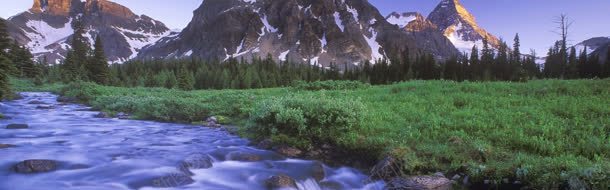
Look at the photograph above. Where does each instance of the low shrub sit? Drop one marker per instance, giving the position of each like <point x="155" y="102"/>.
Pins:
<point x="83" y="91"/>
<point x="329" y="85"/>
<point x="314" y="119"/>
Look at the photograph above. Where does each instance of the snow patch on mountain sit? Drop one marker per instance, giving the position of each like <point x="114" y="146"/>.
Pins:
<point x="46" y="35"/>
<point x="375" y="47"/>
<point x="138" y="39"/>
<point x="401" y="21"/>
<point x="457" y="39"/>
<point x="338" y="21"/>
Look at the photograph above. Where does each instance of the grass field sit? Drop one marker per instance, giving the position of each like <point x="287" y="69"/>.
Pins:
<point x="545" y="133"/>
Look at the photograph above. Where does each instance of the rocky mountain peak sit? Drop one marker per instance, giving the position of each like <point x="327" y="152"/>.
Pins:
<point x="53" y="7"/>
<point x="46" y="28"/>
<point x="460" y="26"/>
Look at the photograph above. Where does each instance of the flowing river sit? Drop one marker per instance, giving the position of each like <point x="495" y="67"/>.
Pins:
<point x="104" y="153"/>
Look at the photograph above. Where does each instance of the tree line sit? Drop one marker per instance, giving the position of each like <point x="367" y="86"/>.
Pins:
<point x="83" y="63"/>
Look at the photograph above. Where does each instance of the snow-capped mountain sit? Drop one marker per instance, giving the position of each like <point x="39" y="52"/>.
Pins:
<point x="309" y="31"/>
<point x="46" y="28"/>
<point x="593" y="44"/>
<point x="597" y="46"/>
<point x="459" y="26"/>
<point x="421" y="29"/>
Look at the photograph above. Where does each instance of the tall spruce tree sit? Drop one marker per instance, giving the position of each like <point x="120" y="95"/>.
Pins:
<point x="186" y="80"/>
<point x="474" y="64"/>
<point x="572" y="71"/>
<point x="5" y="41"/>
<point x="5" y="90"/>
<point x="606" y="66"/>
<point x="98" y="67"/>
<point x="75" y="63"/>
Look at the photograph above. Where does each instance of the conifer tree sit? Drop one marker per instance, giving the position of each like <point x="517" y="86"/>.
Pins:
<point x="606" y="66"/>
<point x="5" y="90"/>
<point x="186" y="80"/>
<point x="98" y="67"/>
<point x="474" y="64"/>
<point x="5" y="41"/>
<point x="572" y="71"/>
<point x="583" y="63"/>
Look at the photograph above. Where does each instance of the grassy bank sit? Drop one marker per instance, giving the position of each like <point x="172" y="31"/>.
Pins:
<point x="545" y="133"/>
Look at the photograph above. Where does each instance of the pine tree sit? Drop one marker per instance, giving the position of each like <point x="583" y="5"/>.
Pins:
<point x="474" y="64"/>
<point x="487" y="59"/>
<point x="186" y="80"/>
<point x="98" y="67"/>
<point x="572" y="71"/>
<point x="606" y="66"/>
<point x="76" y="62"/>
<point x="5" y="90"/>
<point x="582" y="63"/>
<point x="5" y="41"/>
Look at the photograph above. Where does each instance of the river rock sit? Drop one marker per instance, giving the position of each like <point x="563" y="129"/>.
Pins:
<point x="35" y="166"/>
<point x="45" y="107"/>
<point x="17" y="126"/>
<point x="101" y="115"/>
<point x="36" y="102"/>
<point x="433" y="182"/>
<point x="212" y="122"/>
<point x="243" y="156"/>
<point x="6" y="146"/>
<point x="399" y="183"/>
<point x="288" y="151"/>
<point x="280" y="182"/>
<point x="122" y="115"/>
<point x="387" y="169"/>
<point x="195" y="161"/>
<point x="318" y="172"/>
<point x="172" y="180"/>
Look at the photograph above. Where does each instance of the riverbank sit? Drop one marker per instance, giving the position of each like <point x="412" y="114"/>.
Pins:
<point x="542" y="134"/>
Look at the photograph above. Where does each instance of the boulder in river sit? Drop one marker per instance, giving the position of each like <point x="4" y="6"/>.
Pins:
<point x="35" y="166"/>
<point x="387" y="169"/>
<point x="280" y="182"/>
<point x="195" y="161"/>
<point x="288" y="151"/>
<point x="101" y="115"/>
<point x="45" y="107"/>
<point x="433" y="182"/>
<point x="122" y="115"/>
<point x="318" y="172"/>
<point x="36" y="102"/>
<point x="6" y="146"/>
<point x="17" y="126"/>
<point x="172" y="180"/>
<point x="212" y="122"/>
<point x="243" y="156"/>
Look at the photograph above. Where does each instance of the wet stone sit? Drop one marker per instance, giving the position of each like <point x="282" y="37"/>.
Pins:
<point x="35" y="166"/>
<point x="280" y="182"/>
<point x="17" y="126"/>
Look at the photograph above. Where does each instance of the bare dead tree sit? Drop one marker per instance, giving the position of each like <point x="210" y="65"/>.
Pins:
<point x="563" y="28"/>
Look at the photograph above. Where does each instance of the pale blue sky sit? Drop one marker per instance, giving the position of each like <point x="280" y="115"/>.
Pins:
<point x="532" y="19"/>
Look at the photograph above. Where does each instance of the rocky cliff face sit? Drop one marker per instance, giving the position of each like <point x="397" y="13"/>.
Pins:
<point x="459" y="26"/>
<point x="46" y="28"/>
<point x="420" y="29"/>
<point x="308" y="31"/>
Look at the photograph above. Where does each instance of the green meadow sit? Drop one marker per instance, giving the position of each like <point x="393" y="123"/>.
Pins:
<point x="545" y="133"/>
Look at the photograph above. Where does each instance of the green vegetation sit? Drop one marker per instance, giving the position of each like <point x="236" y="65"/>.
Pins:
<point x="545" y="133"/>
<point x="329" y="85"/>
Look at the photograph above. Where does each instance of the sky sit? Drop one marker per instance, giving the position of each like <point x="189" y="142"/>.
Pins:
<point x="532" y="19"/>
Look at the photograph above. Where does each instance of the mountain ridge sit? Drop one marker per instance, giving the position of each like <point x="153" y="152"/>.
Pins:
<point x="46" y="28"/>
